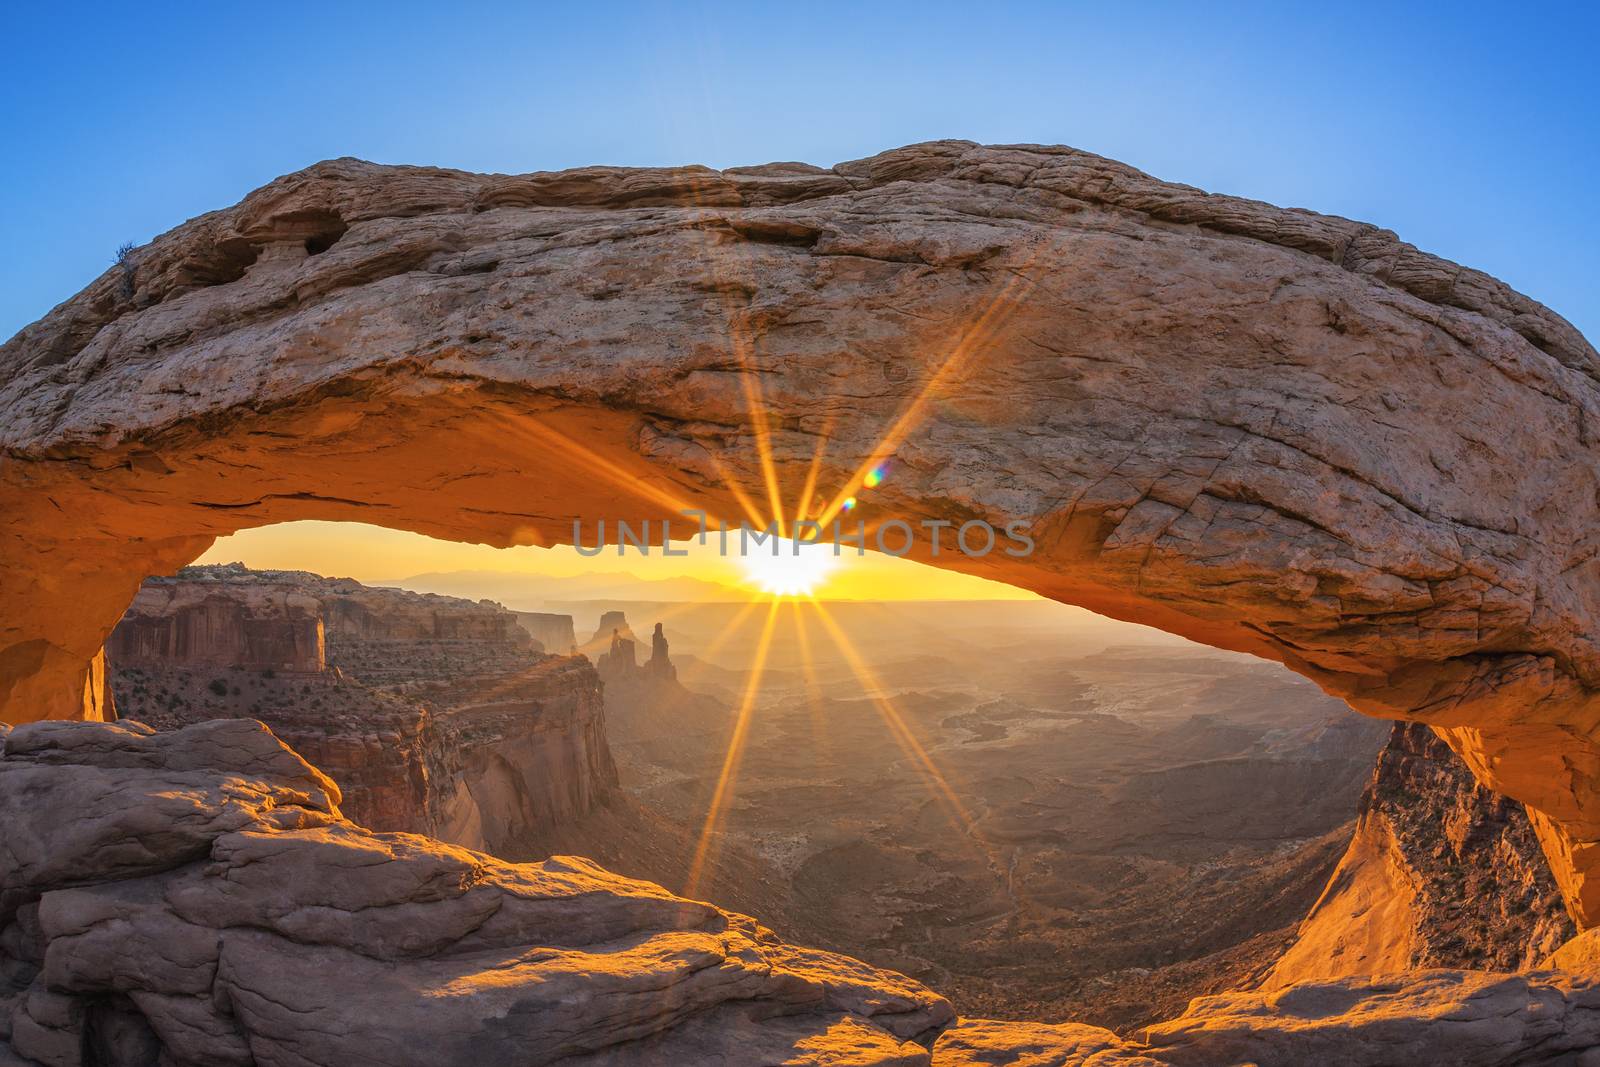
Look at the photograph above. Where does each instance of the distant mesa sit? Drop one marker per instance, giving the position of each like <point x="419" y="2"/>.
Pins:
<point x="522" y="590"/>
<point x="619" y="663"/>
<point x="230" y="615"/>
<point x="224" y="616"/>
<point x="553" y="632"/>
<point x="612" y="623"/>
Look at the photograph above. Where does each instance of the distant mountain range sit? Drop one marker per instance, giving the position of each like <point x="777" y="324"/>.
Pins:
<point x="529" y="592"/>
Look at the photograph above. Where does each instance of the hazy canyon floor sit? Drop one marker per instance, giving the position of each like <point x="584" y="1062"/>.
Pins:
<point x="1093" y="833"/>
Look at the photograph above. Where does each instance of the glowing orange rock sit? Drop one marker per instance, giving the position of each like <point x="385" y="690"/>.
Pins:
<point x="1264" y="429"/>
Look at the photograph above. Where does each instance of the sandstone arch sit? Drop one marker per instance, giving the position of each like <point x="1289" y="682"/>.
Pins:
<point x="1261" y="428"/>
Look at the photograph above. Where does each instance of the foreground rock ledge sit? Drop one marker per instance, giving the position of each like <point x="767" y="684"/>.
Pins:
<point x="1264" y="429"/>
<point x="197" y="893"/>
<point x="193" y="898"/>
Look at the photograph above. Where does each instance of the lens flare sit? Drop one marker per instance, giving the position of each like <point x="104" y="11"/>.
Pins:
<point x="849" y="504"/>
<point x="876" y="475"/>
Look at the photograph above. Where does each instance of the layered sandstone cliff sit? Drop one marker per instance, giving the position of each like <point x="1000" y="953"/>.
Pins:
<point x="553" y="632"/>
<point x="435" y="713"/>
<point x="205" y="620"/>
<point x="1441" y="872"/>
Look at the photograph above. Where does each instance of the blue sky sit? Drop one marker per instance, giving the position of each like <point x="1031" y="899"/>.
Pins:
<point x="1474" y="131"/>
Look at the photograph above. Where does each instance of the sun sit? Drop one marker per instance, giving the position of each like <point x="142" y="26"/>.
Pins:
<point x="787" y="568"/>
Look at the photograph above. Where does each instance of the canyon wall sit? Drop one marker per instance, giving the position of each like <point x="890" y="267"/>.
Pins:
<point x="1441" y="872"/>
<point x="553" y="632"/>
<point x="525" y="753"/>
<point x="435" y="713"/>
<point x="265" y="625"/>
<point x="1265" y="429"/>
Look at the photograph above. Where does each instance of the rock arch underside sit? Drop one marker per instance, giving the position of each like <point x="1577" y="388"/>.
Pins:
<point x="1264" y="429"/>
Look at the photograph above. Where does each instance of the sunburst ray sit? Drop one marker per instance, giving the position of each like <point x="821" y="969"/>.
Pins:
<point x="717" y="810"/>
<point x="899" y="729"/>
<point x="740" y="344"/>
<point x="994" y="316"/>
<point x="813" y="686"/>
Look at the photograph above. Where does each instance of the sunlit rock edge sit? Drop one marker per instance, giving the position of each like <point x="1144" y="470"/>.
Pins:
<point x="205" y="901"/>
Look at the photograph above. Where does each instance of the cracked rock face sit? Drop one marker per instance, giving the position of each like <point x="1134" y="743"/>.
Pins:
<point x="1264" y="429"/>
<point x="1440" y="873"/>
<point x="210" y="906"/>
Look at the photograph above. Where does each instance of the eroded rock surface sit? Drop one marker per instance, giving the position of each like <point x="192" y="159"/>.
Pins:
<point x="1461" y="1018"/>
<point x="210" y="906"/>
<point x="209" y="902"/>
<point x="436" y="713"/>
<point x="1441" y="872"/>
<point x="987" y="1042"/>
<point x="1266" y="429"/>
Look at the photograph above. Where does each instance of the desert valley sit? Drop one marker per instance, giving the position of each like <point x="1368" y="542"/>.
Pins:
<point x="1096" y="822"/>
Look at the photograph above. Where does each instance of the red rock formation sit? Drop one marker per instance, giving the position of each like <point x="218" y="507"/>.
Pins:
<point x="619" y="664"/>
<point x="206" y="620"/>
<point x="359" y="612"/>
<point x="1265" y="429"/>
<point x="522" y="753"/>
<point x="1441" y="872"/>
<point x="660" y="663"/>
<point x="434" y="712"/>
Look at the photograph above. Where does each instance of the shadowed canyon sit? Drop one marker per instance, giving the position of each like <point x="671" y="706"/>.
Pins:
<point x="1286" y="436"/>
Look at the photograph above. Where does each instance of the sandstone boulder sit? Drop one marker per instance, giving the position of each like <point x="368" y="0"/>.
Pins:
<point x="1580" y="954"/>
<point x="990" y="1043"/>
<point x="206" y="902"/>
<point x="1431" y="1018"/>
